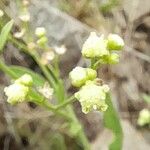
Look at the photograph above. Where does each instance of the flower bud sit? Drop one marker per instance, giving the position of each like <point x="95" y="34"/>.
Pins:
<point x="40" y="31"/>
<point x="42" y="41"/>
<point x="144" y="117"/>
<point x="60" y="50"/>
<point x="19" y="34"/>
<point x="115" y="42"/>
<point x="92" y="97"/>
<point x="81" y="75"/>
<point x="91" y="74"/>
<point x="16" y="93"/>
<point x="25" y="17"/>
<point x="94" y="46"/>
<point x="113" y="58"/>
<point x="78" y="76"/>
<point x="26" y="80"/>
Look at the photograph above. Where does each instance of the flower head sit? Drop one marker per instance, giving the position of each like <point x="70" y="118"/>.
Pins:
<point x="16" y="93"/>
<point x="60" y="50"/>
<point x="26" y="80"/>
<point x="80" y="75"/>
<point x="25" y="17"/>
<point x="92" y="97"/>
<point x="115" y="42"/>
<point x="144" y="117"/>
<point x="94" y="46"/>
<point x="40" y="31"/>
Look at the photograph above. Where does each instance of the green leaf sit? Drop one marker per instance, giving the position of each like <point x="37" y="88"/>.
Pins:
<point x="4" y="34"/>
<point x="146" y="98"/>
<point x="112" y="122"/>
<point x="38" y="80"/>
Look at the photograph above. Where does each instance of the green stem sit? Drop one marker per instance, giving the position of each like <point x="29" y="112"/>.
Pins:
<point x="6" y="70"/>
<point x="65" y="103"/>
<point x="81" y="136"/>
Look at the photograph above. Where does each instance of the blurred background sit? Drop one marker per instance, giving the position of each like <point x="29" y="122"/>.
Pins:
<point x="69" y="22"/>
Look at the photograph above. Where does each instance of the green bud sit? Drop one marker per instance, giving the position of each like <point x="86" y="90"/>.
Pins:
<point x="92" y="97"/>
<point x="78" y="76"/>
<point x="91" y="74"/>
<point x="144" y="117"/>
<point x="42" y="41"/>
<point x="115" y="42"/>
<point x="113" y="58"/>
<point x="40" y="31"/>
<point x="26" y="80"/>
<point x="94" y="46"/>
<point x="16" y="93"/>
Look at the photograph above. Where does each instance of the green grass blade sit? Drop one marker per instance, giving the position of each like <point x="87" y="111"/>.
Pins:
<point x="4" y="34"/>
<point x="112" y="122"/>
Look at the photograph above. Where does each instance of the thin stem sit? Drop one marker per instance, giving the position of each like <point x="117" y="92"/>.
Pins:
<point x="65" y="103"/>
<point x="6" y="70"/>
<point x="48" y="106"/>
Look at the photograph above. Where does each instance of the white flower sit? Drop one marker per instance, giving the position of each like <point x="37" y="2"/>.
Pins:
<point x="115" y="42"/>
<point x="46" y="90"/>
<point x="40" y="31"/>
<point x="144" y="117"/>
<point x="92" y="97"/>
<point x="25" y="17"/>
<point x="26" y="80"/>
<point x="16" y="93"/>
<point x="47" y="57"/>
<point x="20" y="34"/>
<point x="80" y="75"/>
<point x="60" y="50"/>
<point x="94" y="46"/>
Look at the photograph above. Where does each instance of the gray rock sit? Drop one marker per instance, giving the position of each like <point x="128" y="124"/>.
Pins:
<point x="61" y="29"/>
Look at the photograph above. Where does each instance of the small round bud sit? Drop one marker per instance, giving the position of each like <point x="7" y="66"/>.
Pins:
<point x="115" y="42"/>
<point x="144" y="117"/>
<point x="1" y="13"/>
<point x="60" y="50"/>
<point x="92" y="97"/>
<point x="20" y="34"/>
<point x="40" y="31"/>
<point x="42" y="41"/>
<point x="113" y="58"/>
<point x="25" y="3"/>
<point x="94" y="46"/>
<point x="78" y="76"/>
<point x="47" y="57"/>
<point x="25" y="17"/>
<point x="46" y="90"/>
<point x="16" y="93"/>
<point x="91" y="74"/>
<point x="26" y="80"/>
<point x="31" y="46"/>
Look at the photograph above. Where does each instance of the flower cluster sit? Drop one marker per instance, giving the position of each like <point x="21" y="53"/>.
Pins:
<point x="144" y="117"/>
<point x="18" y="91"/>
<point x="92" y="97"/>
<point x="80" y="75"/>
<point x="102" y="49"/>
<point x="92" y="94"/>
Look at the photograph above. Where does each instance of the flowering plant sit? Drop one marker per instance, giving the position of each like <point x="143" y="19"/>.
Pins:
<point x="93" y="94"/>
